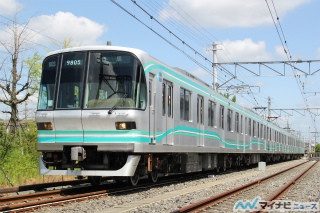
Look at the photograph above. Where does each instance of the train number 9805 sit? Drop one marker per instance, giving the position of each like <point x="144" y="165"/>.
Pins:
<point x="73" y="62"/>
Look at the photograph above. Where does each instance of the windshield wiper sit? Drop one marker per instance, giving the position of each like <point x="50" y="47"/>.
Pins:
<point x="120" y="101"/>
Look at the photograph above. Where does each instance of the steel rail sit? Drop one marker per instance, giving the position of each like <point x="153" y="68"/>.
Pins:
<point x="282" y="191"/>
<point x="40" y="186"/>
<point x="28" y="202"/>
<point x="53" y="197"/>
<point x="204" y="204"/>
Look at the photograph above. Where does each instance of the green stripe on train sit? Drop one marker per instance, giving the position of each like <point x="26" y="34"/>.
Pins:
<point x="144" y="137"/>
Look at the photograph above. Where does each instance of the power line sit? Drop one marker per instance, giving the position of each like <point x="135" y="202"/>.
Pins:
<point x="287" y="52"/>
<point x="183" y="42"/>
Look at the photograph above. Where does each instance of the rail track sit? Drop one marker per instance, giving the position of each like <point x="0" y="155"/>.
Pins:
<point x="27" y="202"/>
<point x="109" y="191"/>
<point x="225" y="201"/>
<point x="77" y="193"/>
<point x="39" y="187"/>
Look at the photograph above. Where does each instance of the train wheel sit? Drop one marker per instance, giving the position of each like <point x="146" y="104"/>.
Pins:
<point x="94" y="180"/>
<point x="133" y="180"/>
<point x="217" y="170"/>
<point x="153" y="176"/>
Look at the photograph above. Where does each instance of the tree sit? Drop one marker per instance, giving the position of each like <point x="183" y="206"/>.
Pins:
<point x="34" y="67"/>
<point x="227" y="95"/>
<point x="16" y="78"/>
<point x="318" y="148"/>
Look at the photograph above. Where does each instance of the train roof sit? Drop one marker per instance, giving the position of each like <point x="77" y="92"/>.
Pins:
<point x="137" y="52"/>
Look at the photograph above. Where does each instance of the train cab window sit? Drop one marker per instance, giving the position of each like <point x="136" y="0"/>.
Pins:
<point x="185" y="102"/>
<point x="221" y="120"/>
<point x="71" y="80"/>
<point x="47" y="84"/>
<point x="115" y="80"/>
<point x="211" y="113"/>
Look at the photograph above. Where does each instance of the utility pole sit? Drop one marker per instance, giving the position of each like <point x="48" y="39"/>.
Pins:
<point x="313" y="146"/>
<point x="214" y="65"/>
<point x="269" y="110"/>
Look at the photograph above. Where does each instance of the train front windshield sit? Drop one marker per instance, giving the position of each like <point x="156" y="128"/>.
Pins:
<point x="114" y="80"/>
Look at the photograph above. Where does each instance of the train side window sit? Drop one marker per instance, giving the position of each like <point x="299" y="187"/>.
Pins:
<point x="246" y="125"/>
<point x="211" y="113"/>
<point x="229" y="120"/>
<point x="185" y="97"/>
<point x="249" y="127"/>
<point x="164" y="98"/>
<point x="150" y="92"/>
<point x="241" y="124"/>
<point x="221" y="121"/>
<point x="200" y="109"/>
<point x="254" y="134"/>
<point x="170" y="105"/>
<point x="237" y="122"/>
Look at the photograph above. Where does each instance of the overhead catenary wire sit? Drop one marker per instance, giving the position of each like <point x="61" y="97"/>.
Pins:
<point x="174" y="35"/>
<point x="289" y="57"/>
<point x="197" y="31"/>
<point x="162" y="37"/>
<point x="190" y="27"/>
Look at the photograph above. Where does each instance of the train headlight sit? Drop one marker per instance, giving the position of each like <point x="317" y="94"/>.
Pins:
<point x="44" y="126"/>
<point x="125" y="125"/>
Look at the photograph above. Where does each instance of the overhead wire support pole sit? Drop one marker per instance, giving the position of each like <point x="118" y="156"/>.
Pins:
<point x="215" y="65"/>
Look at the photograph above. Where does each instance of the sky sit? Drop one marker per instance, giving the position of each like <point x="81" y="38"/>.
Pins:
<point x="245" y="31"/>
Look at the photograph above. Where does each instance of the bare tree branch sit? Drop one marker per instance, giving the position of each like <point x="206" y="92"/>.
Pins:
<point x="11" y="86"/>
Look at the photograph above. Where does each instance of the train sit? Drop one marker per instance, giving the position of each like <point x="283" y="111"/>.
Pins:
<point x="118" y="112"/>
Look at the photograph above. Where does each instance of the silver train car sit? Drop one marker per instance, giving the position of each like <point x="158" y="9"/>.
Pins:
<point x="118" y="112"/>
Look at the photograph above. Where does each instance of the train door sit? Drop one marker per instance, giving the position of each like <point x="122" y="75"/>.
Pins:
<point x="200" y="121"/>
<point x="152" y="114"/>
<point x="167" y="112"/>
<point x="67" y="116"/>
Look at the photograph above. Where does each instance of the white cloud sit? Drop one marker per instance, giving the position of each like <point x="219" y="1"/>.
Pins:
<point x="9" y="7"/>
<point x="244" y="50"/>
<point x="51" y="30"/>
<point x="226" y="13"/>
<point x="281" y="53"/>
<point x="65" y="25"/>
<point x="203" y="75"/>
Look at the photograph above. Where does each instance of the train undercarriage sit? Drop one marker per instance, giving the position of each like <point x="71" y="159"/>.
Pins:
<point x="87" y="161"/>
